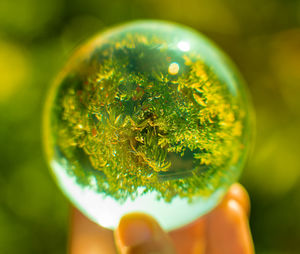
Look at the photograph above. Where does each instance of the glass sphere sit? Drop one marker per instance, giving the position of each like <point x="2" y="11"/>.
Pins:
<point x="147" y="117"/>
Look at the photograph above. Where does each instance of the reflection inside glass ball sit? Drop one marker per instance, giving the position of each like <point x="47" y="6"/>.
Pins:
<point x="149" y="117"/>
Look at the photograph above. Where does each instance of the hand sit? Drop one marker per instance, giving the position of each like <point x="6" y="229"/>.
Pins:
<point x="225" y="230"/>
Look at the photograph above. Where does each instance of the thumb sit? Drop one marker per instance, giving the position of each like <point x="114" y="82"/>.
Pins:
<point x="139" y="233"/>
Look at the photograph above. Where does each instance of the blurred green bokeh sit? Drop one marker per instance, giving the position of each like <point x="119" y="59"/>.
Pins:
<point x="36" y="37"/>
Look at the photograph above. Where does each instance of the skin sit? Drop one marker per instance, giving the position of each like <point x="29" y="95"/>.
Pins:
<point x="225" y="230"/>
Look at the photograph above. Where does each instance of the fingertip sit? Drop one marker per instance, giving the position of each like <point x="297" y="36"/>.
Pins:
<point x="227" y="226"/>
<point x="238" y="193"/>
<point x="229" y="210"/>
<point x="235" y="211"/>
<point x="134" y="229"/>
<point x="140" y="233"/>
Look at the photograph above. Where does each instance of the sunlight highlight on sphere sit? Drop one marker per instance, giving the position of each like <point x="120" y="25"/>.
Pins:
<point x="183" y="46"/>
<point x="147" y="117"/>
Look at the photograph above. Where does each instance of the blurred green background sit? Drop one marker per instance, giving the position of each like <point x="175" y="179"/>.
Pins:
<point x="36" y="37"/>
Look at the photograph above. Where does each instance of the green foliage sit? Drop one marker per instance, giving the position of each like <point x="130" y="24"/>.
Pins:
<point x="134" y="122"/>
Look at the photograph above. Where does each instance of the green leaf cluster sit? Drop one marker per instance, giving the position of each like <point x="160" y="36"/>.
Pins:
<point x="128" y="122"/>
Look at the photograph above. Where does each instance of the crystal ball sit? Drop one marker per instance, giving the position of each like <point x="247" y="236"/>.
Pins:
<point x="148" y="117"/>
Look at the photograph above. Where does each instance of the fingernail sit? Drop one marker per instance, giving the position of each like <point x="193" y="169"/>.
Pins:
<point x="135" y="229"/>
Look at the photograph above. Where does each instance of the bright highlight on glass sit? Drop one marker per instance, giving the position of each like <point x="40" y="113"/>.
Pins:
<point x="183" y="46"/>
<point x="173" y="68"/>
<point x="150" y="117"/>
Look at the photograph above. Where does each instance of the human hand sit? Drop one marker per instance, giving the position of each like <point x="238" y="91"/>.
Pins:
<point x="225" y="230"/>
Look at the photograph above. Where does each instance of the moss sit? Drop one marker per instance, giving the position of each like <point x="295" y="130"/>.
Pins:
<point x="144" y="115"/>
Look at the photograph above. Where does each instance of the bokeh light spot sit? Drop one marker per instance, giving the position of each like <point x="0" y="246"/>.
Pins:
<point x="173" y="68"/>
